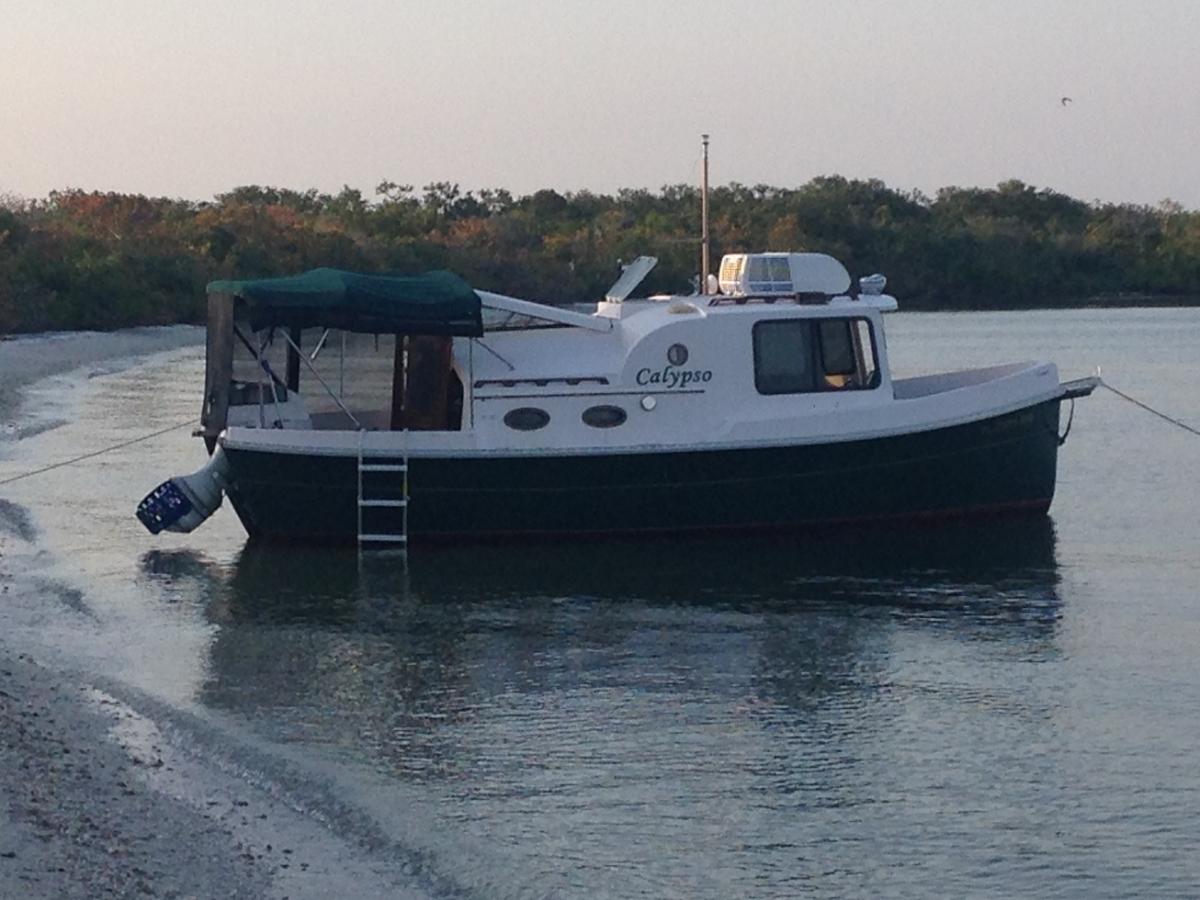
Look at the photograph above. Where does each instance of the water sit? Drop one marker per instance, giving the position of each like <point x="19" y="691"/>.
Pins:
<point x="990" y="710"/>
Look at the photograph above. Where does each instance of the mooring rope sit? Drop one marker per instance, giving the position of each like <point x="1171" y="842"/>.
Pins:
<point x="101" y="452"/>
<point x="1150" y="409"/>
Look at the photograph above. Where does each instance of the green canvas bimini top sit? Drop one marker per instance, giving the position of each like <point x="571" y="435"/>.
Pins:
<point x="432" y="303"/>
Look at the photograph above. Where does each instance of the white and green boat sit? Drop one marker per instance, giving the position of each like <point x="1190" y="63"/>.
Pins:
<point x="352" y="408"/>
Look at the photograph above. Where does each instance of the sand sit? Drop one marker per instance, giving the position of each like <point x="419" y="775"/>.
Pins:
<point x="94" y="800"/>
<point x="25" y="359"/>
<point x="77" y="819"/>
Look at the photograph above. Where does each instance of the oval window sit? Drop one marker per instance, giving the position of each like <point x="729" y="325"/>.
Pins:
<point x="677" y="354"/>
<point x="604" y="416"/>
<point x="527" y="418"/>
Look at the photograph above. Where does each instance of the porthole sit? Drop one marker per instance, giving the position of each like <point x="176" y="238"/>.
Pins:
<point x="527" y="418"/>
<point x="677" y="354"/>
<point x="604" y="416"/>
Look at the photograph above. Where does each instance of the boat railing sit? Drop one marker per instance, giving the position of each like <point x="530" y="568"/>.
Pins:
<point x="313" y="369"/>
<point x="803" y="299"/>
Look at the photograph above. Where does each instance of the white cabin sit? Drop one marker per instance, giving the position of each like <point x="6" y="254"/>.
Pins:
<point x="782" y="353"/>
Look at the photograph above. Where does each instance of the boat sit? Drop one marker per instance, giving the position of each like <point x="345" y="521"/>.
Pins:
<point x="378" y="410"/>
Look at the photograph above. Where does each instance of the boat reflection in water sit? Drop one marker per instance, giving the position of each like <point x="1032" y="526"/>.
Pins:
<point x="389" y="658"/>
<point x="585" y="719"/>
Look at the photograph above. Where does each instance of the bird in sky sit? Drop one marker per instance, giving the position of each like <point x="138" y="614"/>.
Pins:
<point x="1065" y="100"/>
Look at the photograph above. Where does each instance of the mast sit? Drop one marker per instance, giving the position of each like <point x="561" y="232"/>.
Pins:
<point x="704" y="221"/>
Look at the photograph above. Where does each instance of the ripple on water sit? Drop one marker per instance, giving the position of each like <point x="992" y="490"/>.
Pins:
<point x="1002" y="709"/>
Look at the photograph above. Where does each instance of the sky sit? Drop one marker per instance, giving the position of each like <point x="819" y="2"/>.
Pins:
<point x="190" y="99"/>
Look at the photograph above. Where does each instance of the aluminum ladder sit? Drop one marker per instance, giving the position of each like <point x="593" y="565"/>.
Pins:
<point x="367" y="502"/>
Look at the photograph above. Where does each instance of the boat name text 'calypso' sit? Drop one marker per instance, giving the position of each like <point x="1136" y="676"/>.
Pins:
<point x="673" y="377"/>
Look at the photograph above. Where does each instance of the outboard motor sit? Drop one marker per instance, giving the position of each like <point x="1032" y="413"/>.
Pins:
<point x="182" y="503"/>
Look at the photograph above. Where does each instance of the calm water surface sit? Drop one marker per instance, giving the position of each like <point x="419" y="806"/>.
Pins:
<point x="1000" y="709"/>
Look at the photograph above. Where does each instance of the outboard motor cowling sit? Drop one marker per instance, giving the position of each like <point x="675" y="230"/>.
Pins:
<point x="180" y="504"/>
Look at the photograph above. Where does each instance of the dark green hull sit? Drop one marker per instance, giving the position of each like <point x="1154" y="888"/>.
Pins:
<point x="997" y="465"/>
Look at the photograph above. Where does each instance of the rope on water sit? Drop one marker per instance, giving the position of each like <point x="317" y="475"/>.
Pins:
<point x="101" y="452"/>
<point x="1150" y="409"/>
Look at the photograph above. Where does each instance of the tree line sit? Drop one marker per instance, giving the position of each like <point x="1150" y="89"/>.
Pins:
<point x="80" y="259"/>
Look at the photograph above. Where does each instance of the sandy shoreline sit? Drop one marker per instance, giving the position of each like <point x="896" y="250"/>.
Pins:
<point x="76" y="817"/>
<point x="25" y="359"/>
<point x="88" y="813"/>
<point x="79" y="820"/>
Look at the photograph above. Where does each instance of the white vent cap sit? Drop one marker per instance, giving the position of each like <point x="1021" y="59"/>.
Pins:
<point x="872" y="285"/>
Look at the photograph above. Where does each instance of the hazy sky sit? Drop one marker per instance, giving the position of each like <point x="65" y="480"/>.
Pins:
<point x="189" y="99"/>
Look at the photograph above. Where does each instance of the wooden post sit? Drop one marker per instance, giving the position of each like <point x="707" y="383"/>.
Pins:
<point x="218" y="367"/>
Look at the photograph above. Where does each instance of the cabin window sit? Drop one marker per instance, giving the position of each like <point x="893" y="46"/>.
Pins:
<point x="798" y="356"/>
<point x="864" y="349"/>
<point x="604" y="416"/>
<point x="526" y="418"/>
<point x="837" y="347"/>
<point x="783" y="357"/>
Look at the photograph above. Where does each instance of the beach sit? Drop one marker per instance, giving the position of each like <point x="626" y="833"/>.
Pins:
<point x="78" y="818"/>
<point x="94" y="800"/>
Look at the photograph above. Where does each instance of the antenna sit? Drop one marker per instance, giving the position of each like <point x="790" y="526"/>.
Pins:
<point x="704" y="221"/>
